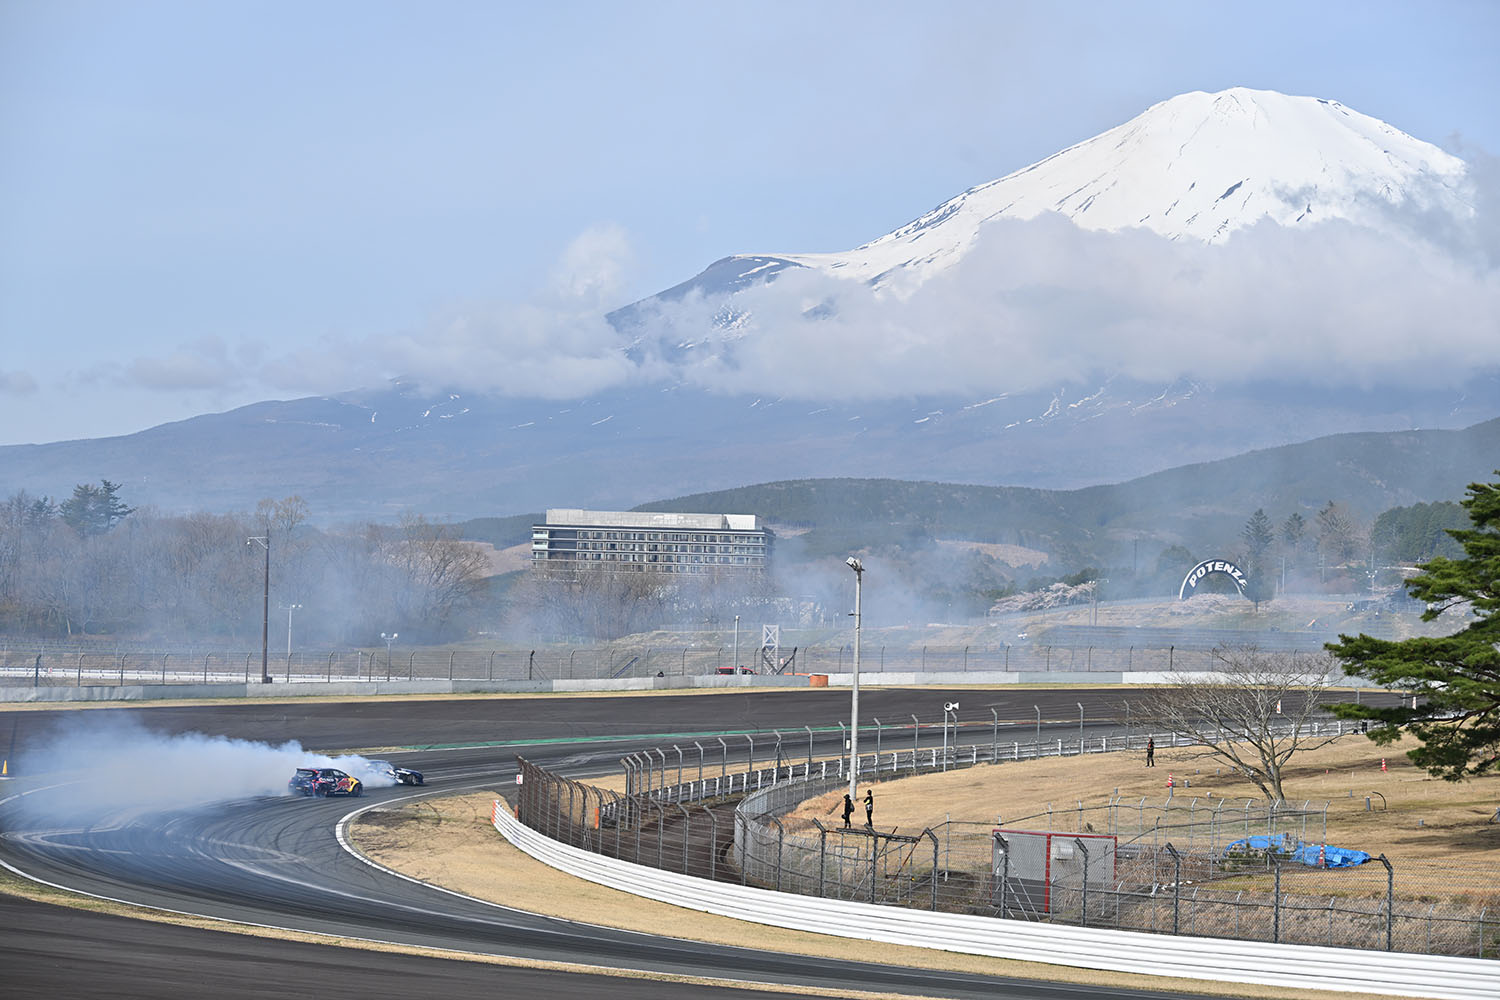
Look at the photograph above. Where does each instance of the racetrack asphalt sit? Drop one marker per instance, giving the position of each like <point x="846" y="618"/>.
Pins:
<point x="276" y="861"/>
<point x="56" y="951"/>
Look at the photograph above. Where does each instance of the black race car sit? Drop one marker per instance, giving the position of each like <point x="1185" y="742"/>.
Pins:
<point x="324" y="781"/>
<point x="402" y="775"/>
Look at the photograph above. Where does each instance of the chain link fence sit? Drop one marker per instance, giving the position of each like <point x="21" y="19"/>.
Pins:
<point x="1178" y="866"/>
<point x="94" y="663"/>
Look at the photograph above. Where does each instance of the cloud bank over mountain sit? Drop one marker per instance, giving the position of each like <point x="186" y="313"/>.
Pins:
<point x="1042" y="300"/>
<point x="1233" y="237"/>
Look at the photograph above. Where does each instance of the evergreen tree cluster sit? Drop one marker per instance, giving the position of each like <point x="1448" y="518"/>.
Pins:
<point x="93" y="510"/>
<point x="1455" y="713"/>
<point x="1420" y="532"/>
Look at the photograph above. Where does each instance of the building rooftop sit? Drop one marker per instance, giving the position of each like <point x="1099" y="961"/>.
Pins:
<point x="651" y="519"/>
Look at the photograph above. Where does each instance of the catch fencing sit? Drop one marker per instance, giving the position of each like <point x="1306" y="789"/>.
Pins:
<point x="1166" y="867"/>
<point x="82" y="662"/>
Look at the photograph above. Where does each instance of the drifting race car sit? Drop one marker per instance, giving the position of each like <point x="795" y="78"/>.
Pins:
<point x="401" y="775"/>
<point x="324" y="781"/>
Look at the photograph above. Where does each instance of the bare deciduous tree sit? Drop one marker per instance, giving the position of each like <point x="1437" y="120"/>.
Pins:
<point x="1253" y="713"/>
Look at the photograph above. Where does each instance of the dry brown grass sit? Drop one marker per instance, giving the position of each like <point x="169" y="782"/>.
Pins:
<point x="450" y="842"/>
<point x="1423" y="818"/>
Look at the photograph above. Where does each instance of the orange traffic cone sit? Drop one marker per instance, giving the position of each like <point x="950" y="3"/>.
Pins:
<point x="1382" y="764"/>
<point x="1169" y="781"/>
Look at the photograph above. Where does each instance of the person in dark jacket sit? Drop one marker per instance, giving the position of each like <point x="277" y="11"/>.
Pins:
<point x="869" y="808"/>
<point x="1150" y="752"/>
<point x="848" y="809"/>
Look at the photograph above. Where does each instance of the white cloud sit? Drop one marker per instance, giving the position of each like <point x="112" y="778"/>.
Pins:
<point x="16" y="383"/>
<point x="202" y="364"/>
<point x="1043" y="301"/>
<point x="557" y="346"/>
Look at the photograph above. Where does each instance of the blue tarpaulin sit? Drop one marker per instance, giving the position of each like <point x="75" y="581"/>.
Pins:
<point x="1315" y="855"/>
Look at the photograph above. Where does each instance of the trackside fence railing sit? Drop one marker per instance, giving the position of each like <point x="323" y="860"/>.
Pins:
<point x="1173" y="866"/>
<point x="84" y="662"/>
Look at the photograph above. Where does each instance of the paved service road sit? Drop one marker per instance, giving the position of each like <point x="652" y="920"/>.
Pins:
<point x="277" y="861"/>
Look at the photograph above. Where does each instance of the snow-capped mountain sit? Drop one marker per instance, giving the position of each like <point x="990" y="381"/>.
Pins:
<point x="1196" y="167"/>
<point x="715" y="399"/>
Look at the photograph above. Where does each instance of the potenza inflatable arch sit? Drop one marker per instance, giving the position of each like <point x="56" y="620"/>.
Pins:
<point x="1197" y="573"/>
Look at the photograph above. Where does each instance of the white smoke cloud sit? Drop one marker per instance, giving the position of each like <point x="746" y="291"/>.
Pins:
<point x="96" y="771"/>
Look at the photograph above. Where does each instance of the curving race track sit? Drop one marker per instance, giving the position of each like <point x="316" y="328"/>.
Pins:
<point x="278" y="861"/>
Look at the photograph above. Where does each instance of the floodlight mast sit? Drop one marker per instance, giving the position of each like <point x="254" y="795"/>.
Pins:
<point x="859" y="573"/>
<point x="265" y="611"/>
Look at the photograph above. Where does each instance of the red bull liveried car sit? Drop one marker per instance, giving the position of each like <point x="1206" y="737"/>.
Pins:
<point x="324" y="781"/>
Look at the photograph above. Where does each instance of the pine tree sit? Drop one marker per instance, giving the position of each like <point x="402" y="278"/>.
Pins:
<point x="1293" y="529"/>
<point x="93" y="510"/>
<point x="1456" y="678"/>
<point x="1258" y="537"/>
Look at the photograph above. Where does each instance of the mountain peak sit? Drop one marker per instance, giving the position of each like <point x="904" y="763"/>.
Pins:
<point x="1199" y="166"/>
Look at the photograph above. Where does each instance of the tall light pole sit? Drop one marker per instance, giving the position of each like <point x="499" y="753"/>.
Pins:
<point x="859" y="575"/>
<point x="289" y="609"/>
<point x="265" y="611"/>
<point x="736" y="645"/>
<point x="390" y="640"/>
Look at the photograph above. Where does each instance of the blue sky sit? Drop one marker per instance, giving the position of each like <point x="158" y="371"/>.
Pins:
<point x="195" y="196"/>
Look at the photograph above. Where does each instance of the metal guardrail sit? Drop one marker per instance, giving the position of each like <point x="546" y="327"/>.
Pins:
<point x="1169" y="871"/>
<point x="1297" y="967"/>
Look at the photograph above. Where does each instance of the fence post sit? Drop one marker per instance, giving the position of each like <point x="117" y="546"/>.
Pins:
<point x="619" y="821"/>
<point x="742" y="838"/>
<point x="661" y="832"/>
<point x="823" y="855"/>
<point x="1078" y="842"/>
<point x="1390" y="899"/>
<point x="724" y="765"/>
<point x="933" y="837"/>
<point x="1177" y="885"/>
<point x="994" y="734"/>
<point x="780" y="841"/>
<point x="687" y="827"/>
<point x="1276" y="902"/>
<point x="915" y="725"/>
<point x="713" y="844"/>
<point x="1004" y="866"/>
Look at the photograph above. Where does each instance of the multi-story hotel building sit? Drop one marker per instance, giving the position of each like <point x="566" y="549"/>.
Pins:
<point x="649" y="542"/>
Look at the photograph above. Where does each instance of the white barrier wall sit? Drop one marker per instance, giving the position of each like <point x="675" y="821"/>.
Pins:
<point x="1295" y="966"/>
